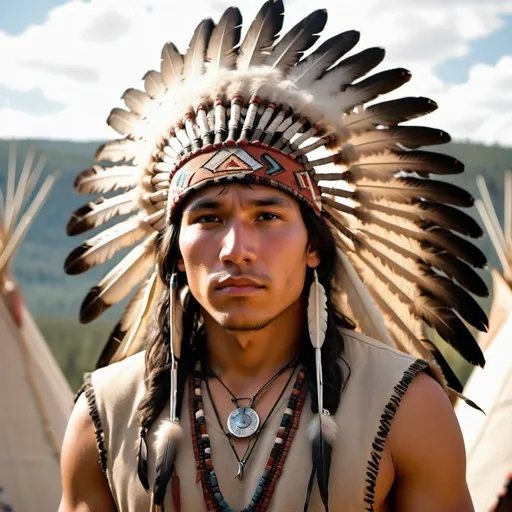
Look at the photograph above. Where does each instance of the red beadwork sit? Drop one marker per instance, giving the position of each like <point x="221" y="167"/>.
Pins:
<point x="276" y="458"/>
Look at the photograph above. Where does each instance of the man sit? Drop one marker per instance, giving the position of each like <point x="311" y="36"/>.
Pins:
<point x="259" y="388"/>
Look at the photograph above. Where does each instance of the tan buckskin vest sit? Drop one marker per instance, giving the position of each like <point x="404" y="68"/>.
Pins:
<point x="379" y="376"/>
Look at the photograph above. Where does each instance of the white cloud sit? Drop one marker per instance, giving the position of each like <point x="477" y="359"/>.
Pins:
<point x="87" y="53"/>
<point x="481" y="108"/>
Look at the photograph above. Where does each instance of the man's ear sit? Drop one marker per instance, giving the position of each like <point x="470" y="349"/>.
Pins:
<point x="312" y="257"/>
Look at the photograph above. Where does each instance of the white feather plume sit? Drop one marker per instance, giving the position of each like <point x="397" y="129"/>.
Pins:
<point x="317" y="324"/>
<point x="328" y="426"/>
<point x="317" y="313"/>
<point x="166" y="430"/>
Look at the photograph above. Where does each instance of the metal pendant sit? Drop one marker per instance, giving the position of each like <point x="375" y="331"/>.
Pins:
<point x="243" y="422"/>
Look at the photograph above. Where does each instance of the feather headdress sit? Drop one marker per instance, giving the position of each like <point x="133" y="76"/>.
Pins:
<point x="313" y="124"/>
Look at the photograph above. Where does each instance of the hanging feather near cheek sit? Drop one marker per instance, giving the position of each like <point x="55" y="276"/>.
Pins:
<point x="169" y="432"/>
<point x="322" y="428"/>
<point x="317" y="325"/>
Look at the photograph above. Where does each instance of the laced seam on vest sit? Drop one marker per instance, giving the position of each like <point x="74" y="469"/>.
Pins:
<point x="373" y="464"/>
<point x="88" y="389"/>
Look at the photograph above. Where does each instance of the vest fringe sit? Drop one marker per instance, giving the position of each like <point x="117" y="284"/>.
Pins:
<point x="373" y="464"/>
<point x="88" y="389"/>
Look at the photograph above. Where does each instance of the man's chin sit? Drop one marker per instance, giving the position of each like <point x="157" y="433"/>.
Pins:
<point x="243" y="324"/>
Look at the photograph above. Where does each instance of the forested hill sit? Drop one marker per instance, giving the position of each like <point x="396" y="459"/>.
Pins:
<point x="55" y="298"/>
<point x="38" y="265"/>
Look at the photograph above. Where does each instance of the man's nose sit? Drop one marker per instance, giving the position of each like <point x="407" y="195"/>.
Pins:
<point x="239" y="244"/>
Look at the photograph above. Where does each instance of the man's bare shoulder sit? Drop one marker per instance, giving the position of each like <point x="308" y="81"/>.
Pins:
<point x="426" y="445"/>
<point x="84" y="486"/>
<point x="425" y="409"/>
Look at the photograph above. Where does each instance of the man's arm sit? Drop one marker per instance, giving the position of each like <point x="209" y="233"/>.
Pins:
<point x="427" y="448"/>
<point x="84" y="486"/>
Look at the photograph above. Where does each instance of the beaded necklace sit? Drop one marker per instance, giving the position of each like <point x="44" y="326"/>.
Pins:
<point x="252" y="444"/>
<point x="202" y="447"/>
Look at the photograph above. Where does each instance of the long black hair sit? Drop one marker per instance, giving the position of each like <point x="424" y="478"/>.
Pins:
<point x="157" y="352"/>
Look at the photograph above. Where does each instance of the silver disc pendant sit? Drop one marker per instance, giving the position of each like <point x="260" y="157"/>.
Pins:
<point x="243" y="422"/>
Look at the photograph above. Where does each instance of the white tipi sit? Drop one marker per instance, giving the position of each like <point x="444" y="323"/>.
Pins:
<point x="488" y="437"/>
<point x="35" y="398"/>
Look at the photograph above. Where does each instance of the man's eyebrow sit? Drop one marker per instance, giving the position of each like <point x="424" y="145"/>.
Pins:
<point x="203" y="204"/>
<point x="271" y="201"/>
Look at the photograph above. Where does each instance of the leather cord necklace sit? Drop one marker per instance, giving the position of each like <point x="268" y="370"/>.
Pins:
<point x="244" y="421"/>
<point x="242" y="461"/>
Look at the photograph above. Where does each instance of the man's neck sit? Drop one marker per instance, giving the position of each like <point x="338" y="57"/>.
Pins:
<point x="242" y="356"/>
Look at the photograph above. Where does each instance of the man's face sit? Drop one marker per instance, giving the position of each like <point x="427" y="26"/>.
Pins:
<point x="245" y="251"/>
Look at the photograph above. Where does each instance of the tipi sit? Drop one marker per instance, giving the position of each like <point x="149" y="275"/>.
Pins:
<point x="35" y="399"/>
<point x="488" y="437"/>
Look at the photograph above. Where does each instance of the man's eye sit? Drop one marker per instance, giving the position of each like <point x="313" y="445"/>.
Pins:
<point x="206" y="219"/>
<point x="268" y="216"/>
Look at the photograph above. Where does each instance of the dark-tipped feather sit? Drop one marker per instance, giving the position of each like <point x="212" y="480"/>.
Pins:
<point x="165" y="461"/>
<point x="423" y="163"/>
<point x="461" y="272"/>
<point x="222" y="48"/>
<point x="454" y="244"/>
<point x="153" y="84"/>
<point x="195" y="58"/>
<point x="437" y="315"/>
<point x="287" y="52"/>
<point x="110" y="348"/>
<point x="104" y="245"/>
<point x="98" y="180"/>
<point x="406" y="190"/>
<point x="460" y="300"/>
<point x="353" y="68"/>
<point x="390" y="113"/>
<point x="446" y="216"/>
<point x="409" y="190"/>
<point x="436" y="239"/>
<point x="100" y="211"/>
<point x="450" y="265"/>
<point x="381" y="83"/>
<point x="261" y="35"/>
<point x="435" y="214"/>
<point x="171" y="67"/>
<point x="125" y="123"/>
<point x="322" y="456"/>
<point x="411" y="137"/>
<point x="137" y="101"/>
<point x="142" y="462"/>
<point x="120" y="150"/>
<point x="451" y="379"/>
<point x="445" y="240"/>
<point x="315" y="65"/>
<point x="118" y="283"/>
<point x="129" y="335"/>
<point x="450" y="327"/>
<point x="164" y="468"/>
<point x="430" y="284"/>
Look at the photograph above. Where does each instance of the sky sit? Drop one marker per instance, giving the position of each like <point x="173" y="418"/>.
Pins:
<point x="65" y="64"/>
